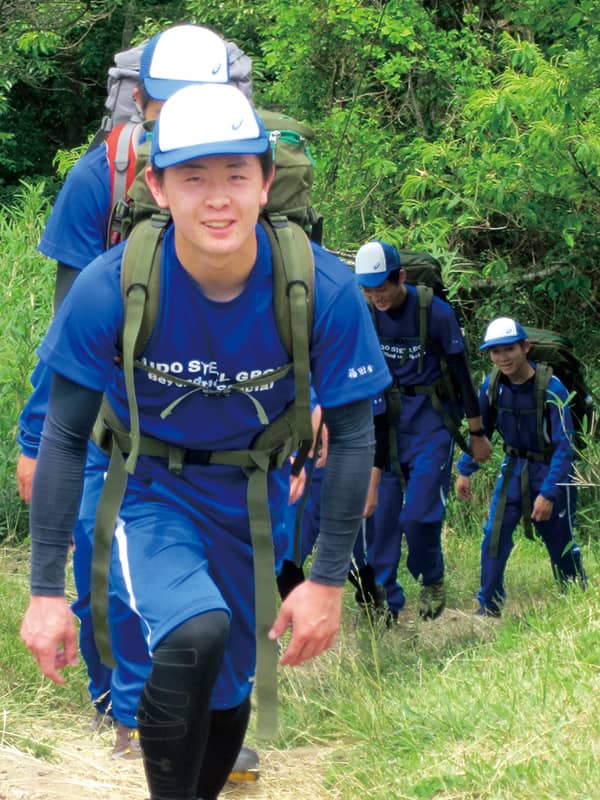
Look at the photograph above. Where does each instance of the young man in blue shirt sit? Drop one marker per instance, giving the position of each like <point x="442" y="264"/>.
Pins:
<point x="535" y="481"/>
<point x="183" y="555"/>
<point x="418" y="429"/>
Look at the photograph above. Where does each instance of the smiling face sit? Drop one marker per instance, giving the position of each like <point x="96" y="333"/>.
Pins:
<point x="215" y="202"/>
<point x="388" y="295"/>
<point x="511" y="360"/>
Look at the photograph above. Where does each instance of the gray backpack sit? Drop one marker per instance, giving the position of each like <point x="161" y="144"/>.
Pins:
<point x="124" y="75"/>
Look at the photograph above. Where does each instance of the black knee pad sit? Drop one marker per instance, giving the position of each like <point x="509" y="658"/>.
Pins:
<point x="174" y="709"/>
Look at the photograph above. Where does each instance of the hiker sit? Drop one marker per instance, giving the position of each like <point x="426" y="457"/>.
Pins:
<point x="189" y="520"/>
<point x="535" y="483"/>
<point x="75" y="234"/>
<point x="422" y="427"/>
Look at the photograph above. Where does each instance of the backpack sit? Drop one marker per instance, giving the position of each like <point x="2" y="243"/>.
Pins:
<point x="122" y="129"/>
<point x="124" y="76"/>
<point x="554" y="353"/>
<point x="289" y="195"/>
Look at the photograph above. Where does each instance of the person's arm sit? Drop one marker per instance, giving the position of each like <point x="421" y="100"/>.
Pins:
<point x="31" y="422"/>
<point x="65" y="276"/>
<point x="48" y="628"/>
<point x="458" y="365"/>
<point x="380" y="462"/>
<point x="313" y="608"/>
<point x="58" y="481"/>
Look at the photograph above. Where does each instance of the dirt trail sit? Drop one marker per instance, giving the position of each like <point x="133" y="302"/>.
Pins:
<point x="83" y="769"/>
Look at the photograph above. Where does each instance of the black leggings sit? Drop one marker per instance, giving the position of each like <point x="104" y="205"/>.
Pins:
<point x="189" y="750"/>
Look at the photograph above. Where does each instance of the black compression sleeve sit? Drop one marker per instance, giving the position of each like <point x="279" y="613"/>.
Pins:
<point x="58" y="481"/>
<point x="382" y="441"/>
<point x="349" y="462"/>
<point x="65" y="275"/>
<point x="461" y="375"/>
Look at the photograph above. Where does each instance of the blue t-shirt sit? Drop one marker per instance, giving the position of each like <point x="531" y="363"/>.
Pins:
<point x="214" y="344"/>
<point x="75" y="233"/>
<point x="398" y="332"/>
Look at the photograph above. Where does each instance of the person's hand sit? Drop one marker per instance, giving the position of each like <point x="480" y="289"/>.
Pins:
<point x="323" y="447"/>
<point x="542" y="509"/>
<point x="481" y="448"/>
<point x="319" y="448"/>
<point x="49" y="631"/>
<point x="25" y="471"/>
<point x="297" y="484"/>
<point x="372" y="493"/>
<point x="313" y="612"/>
<point x="463" y="487"/>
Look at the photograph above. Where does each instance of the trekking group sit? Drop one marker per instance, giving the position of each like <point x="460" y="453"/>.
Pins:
<point x="205" y="357"/>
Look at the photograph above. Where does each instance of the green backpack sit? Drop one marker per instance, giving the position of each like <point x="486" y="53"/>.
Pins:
<point x="289" y="195"/>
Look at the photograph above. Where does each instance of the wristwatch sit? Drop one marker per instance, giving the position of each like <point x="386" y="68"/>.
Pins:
<point x="478" y="432"/>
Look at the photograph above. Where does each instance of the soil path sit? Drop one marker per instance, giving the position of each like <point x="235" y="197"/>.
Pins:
<point x="83" y="769"/>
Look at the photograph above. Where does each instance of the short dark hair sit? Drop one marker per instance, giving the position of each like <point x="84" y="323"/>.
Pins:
<point x="143" y="95"/>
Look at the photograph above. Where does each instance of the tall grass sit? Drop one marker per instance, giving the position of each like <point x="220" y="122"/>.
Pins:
<point x="26" y="286"/>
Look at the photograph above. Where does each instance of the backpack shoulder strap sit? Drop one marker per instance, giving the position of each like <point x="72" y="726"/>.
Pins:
<point x="543" y="374"/>
<point x="121" y="147"/>
<point x="293" y="301"/>
<point x="140" y="290"/>
<point x="424" y="300"/>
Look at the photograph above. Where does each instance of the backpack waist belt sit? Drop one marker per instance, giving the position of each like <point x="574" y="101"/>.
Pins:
<point x="513" y="454"/>
<point x="270" y="450"/>
<point x="437" y="393"/>
<point x="530" y="455"/>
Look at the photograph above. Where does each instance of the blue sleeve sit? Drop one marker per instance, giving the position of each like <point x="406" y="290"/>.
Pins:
<point x="31" y="419"/>
<point x="561" y="432"/>
<point x="346" y="359"/>
<point x="75" y="233"/>
<point x="81" y="342"/>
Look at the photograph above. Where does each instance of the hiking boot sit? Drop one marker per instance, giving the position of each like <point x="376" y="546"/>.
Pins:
<point x="127" y="743"/>
<point x="246" y="767"/>
<point x="368" y="591"/>
<point x="484" y="611"/>
<point x="432" y="600"/>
